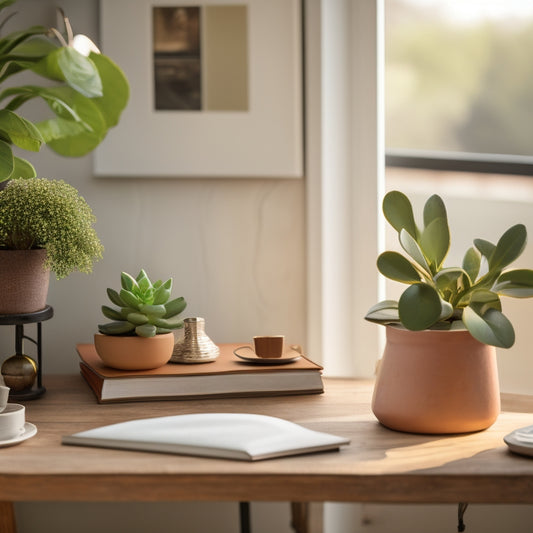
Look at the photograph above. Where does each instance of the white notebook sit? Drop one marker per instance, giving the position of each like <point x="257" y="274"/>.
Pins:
<point x="246" y="437"/>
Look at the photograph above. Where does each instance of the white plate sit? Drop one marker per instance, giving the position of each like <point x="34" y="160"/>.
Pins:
<point x="29" y="431"/>
<point x="246" y="353"/>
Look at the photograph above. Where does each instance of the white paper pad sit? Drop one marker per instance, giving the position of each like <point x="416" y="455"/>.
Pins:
<point x="246" y="437"/>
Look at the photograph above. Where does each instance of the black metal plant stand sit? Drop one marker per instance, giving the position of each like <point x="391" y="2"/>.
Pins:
<point x="19" y="320"/>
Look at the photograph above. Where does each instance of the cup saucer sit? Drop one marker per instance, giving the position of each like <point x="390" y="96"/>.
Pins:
<point x="29" y="431"/>
<point x="247" y="353"/>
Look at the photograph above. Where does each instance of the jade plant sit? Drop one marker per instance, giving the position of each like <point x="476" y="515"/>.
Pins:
<point x="143" y="308"/>
<point x="439" y="297"/>
<point x="86" y="98"/>
<point x="49" y="214"/>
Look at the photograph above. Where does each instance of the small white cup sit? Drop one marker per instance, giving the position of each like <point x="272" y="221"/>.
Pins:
<point x="12" y="420"/>
<point x="4" y="395"/>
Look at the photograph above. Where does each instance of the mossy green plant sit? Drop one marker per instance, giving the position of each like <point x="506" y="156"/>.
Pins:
<point x="49" y="214"/>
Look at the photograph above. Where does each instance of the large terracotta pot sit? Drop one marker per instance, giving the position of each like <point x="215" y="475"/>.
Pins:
<point x="23" y="281"/>
<point x="134" y="353"/>
<point x="436" y="382"/>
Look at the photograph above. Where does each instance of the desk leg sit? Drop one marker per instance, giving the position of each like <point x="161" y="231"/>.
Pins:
<point x="7" y="518"/>
<point x="307" y="517"/>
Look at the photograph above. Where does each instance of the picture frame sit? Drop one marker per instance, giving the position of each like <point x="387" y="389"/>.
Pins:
<point x="260" y="136"/>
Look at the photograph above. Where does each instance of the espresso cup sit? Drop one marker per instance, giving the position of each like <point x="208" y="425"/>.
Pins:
<point x="269" y="346"/>
<point x="4" y="395"/>
<point x="12" y="420"/>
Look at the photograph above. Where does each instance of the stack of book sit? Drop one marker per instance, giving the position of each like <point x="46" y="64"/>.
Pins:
<point x="228" y="376"/>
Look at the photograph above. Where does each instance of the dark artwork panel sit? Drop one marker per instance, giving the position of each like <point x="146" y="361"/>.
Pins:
<point x="177" y="61"/>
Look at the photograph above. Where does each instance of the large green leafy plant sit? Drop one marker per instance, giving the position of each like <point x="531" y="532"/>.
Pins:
<point x="441" y="297"/>
<point x="86" y="95"/>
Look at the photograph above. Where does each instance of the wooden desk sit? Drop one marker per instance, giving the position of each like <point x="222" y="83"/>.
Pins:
<point x="379" y="466"/>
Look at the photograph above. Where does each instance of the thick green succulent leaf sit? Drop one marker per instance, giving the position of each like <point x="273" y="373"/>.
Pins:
<point x="168" y="323"/>
<point x="420" y="306"/>
<point x="154" y="310"/>
<point x="19" y="131"/>
<point x="413" y="250"/>
<point x="161" y="295"/>
<point x="486" y="248"/>
<point x="398" y="211"/>
<point x="435" y="242"/>
<point x="384" y="312"/>
<point x="454" y="280"/>
<point x="433" y="209"/>
<point x="130" y="299"/>
<point x="111" y="313"/>
<point x="143" y="281"/>
<point x="137" y="318"/>
<point x="484" y="299"/>
<point x="515" y="283"/>
<point x="113" y="295"/>
<point x="396" y="267"/>
<point x="472" y="263"/>
<point x="146" y="330"/>
<point x="116" y="328"/>
<point x="509" y="247"/>
<point x="489" y="327"/>
<point x="128" y="282"/>
<point x="7" y="162"/>
<point x="175" y="307"/>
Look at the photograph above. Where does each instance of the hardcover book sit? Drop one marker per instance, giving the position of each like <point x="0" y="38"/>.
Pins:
<point x="228" y="376"/>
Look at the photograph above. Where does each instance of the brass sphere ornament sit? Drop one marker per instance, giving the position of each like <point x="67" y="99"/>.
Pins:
<point x="19" y="372"/>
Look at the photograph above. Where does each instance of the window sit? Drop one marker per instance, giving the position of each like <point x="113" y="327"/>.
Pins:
<point x="459" y="85"/>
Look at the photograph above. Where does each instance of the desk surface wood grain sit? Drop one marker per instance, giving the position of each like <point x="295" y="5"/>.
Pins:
<point x="378" y="466"/>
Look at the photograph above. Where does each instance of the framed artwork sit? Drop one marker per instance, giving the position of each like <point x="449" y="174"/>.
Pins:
<point x="216" y="88"/>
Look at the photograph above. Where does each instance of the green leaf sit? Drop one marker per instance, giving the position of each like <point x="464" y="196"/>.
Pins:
<point x="486" y="248"/>
<point x="20" y="131"/>
<point x="115" y="298"/>
<point x="7" y="162"/>
<point x="434" y="209"/>
<point x="435" y="242"/>
<point x="137" y="318"/>
<point x="485" y="299"/>
<point x="413" y="249"/>
<point x="143" y="281"/>
<point x="116" y="90"/>
<point x="396" y="267"/>
<point x="22" y="168"/>
<point x="399" y="212"/>
<point x="384" y="312"/>
<point x="490" y="327"/>
<point x="146" y="330"/>
<point x="452" y="279"/>
<point x="419" y="307"/>
<point x="129" y="298"/>
<point x="509" y="247"/>
<point x="175" y="307"/>
<point x="155" y="310"/>
<point x="472" y="263"/>
<point x="515" y="283"/>
<point x="128" y="282"/>
<point x="111" y="313"/>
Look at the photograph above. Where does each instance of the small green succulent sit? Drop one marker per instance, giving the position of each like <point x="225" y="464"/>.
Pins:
<point x="144" y="308"/>
<point x="453" y="297"/>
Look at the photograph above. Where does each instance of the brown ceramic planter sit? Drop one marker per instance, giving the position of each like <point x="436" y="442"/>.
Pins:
<point x="436" y="382"/>
<point x="134" y="353"/>
<point x="23" y="281"/>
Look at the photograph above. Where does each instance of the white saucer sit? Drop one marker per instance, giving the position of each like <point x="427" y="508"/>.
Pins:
<point x="247" y="354"/>
<point x="29" y="431"/>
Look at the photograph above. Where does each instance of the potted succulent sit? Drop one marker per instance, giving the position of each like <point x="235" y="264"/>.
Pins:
<point x="140" y="336"/>
<point x="438" y="373"/>
<point x="86" y="98"/>
<point x="45" y="225"/>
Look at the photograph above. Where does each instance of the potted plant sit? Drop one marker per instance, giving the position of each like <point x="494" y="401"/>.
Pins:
<point x="45" y="225"/>
<point x="140" y="336"/>
<point x="86" y="98"/>
<point x="438" y="373"/>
